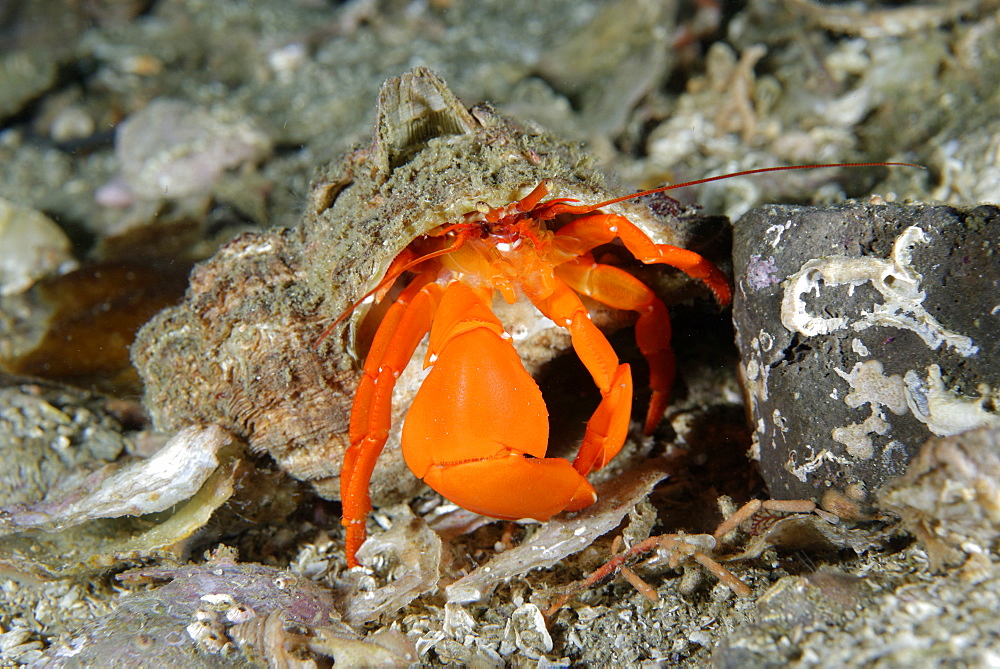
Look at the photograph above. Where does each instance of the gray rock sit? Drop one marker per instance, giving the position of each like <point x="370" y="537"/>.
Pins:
<point x="24" y="75"/>
<point x="863" y="331"/>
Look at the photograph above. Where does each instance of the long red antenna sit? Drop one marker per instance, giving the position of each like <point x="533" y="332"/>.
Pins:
<point x="759" y="170"/>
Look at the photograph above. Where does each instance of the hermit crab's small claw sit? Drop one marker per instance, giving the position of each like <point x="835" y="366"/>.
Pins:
<point x="619" y="289"/>
<point x="608" y="427"/>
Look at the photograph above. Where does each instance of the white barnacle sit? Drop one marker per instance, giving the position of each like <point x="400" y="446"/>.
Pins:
<point x="220" y="599"/>
<point x="240" y="613"/>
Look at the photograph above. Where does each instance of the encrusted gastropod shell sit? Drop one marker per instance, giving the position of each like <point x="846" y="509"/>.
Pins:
<point x="240" y="351"/>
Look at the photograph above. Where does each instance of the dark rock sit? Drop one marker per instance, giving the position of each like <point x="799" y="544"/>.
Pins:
<point x="863" y="331"/>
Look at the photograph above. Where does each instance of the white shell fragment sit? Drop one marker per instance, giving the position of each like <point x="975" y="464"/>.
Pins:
<point x="32" y="246"/>
<point x="175" y="473"/>
<point x="526" y="631"/>
<point x="415" y="548"/>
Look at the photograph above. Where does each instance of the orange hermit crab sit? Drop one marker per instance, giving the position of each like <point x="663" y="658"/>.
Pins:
<point x="485" y="448"/>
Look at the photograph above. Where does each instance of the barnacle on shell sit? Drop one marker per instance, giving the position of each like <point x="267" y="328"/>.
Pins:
<point x="240" y="351"/>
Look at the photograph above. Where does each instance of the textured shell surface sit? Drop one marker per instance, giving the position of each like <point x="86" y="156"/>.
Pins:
<point x="240" y="350"/>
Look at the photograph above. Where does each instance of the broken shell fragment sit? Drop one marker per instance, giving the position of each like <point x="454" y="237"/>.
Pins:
<point x="169" y="477"/>
<point x="77" y="327"/>
<point x="32" y="246"/>
<point x="97" y="516"/>
<point x="181" y="624"/>
<point x="949" y="498"/>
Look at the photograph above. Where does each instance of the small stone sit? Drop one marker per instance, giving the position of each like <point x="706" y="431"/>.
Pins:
<point x="71" y="123"/>
<point x="173" y="149"/>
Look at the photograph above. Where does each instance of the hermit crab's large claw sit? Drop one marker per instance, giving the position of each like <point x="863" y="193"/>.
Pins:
<point x="478" y="429"/>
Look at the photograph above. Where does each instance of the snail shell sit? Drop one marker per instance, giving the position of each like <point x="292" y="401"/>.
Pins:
<point x="240" y="350"/>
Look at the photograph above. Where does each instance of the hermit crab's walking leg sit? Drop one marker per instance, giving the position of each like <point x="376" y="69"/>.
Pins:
<point x="587" y="232"/>
<point x="477" y="431"/>
<point x="619" y="289"/>
<point x="404" y="325"/>
<point x="608" y="426"/>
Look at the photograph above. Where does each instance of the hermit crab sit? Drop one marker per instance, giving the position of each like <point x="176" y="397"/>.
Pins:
<point x="470" y="206"/>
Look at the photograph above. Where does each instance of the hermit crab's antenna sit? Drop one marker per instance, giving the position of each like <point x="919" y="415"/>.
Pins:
<point x="759" y="170"/>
